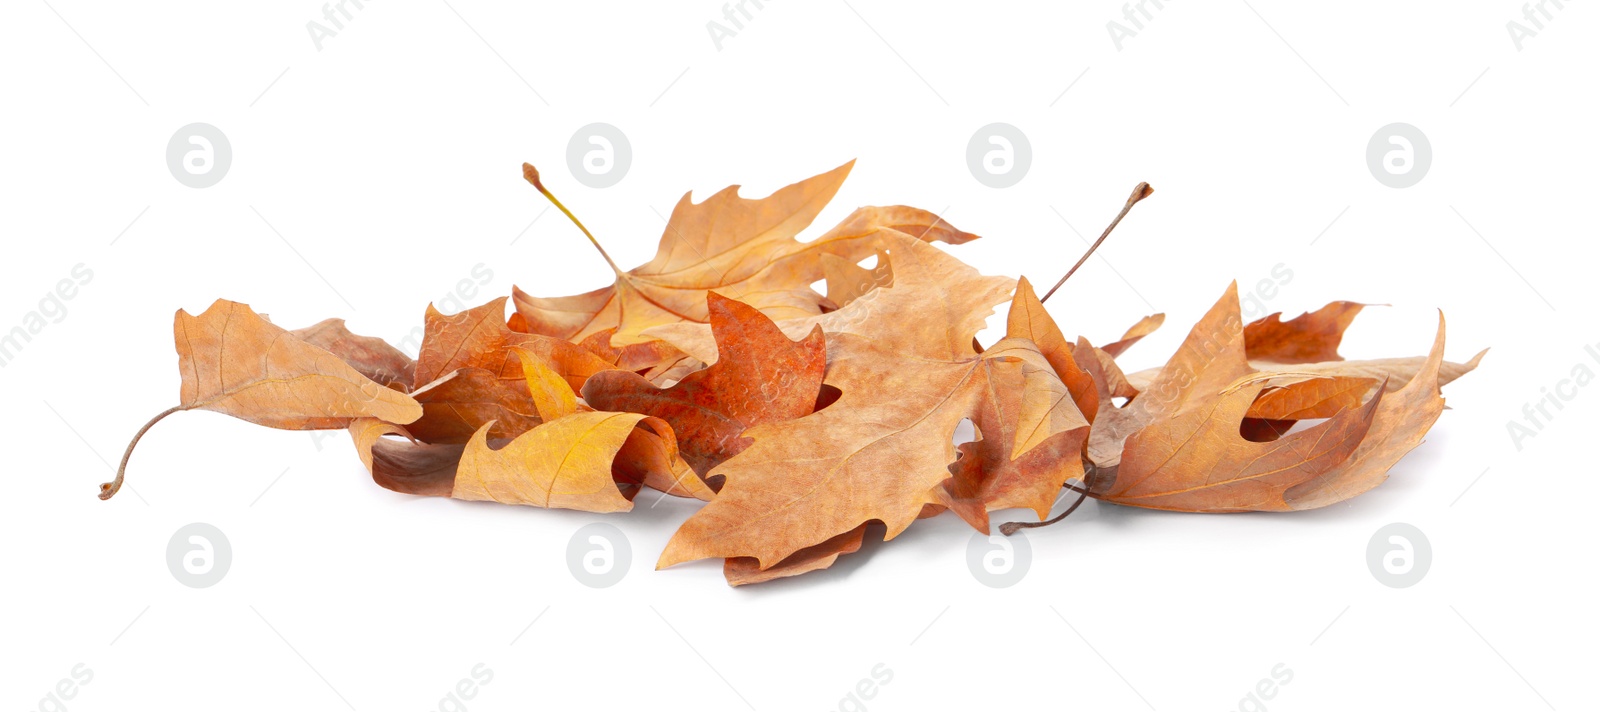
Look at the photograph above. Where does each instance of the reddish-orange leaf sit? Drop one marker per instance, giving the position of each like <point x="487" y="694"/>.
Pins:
<point x="760" y="377"/>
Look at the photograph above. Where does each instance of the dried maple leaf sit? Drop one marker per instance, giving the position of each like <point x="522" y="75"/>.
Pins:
<point x="1006" y="467"/>
<point x="565" y="463"/>
<point x="1305" y="376"/>
<point x="1028" y="319"/>
<point x="883" y="450"/>
<point x="1403" y="417"/>
<point x="821" y="415"/>
<point x="761" y="377"/>
<point x="1192" y="446"/>
<point x="479" y="338"/>
<point x="1197" y="461"/>
<point x="234" y="361"/>
<point x="1210" y="359"/>
<point x="576" y="458"/>
<point x="743" y="248"/>
<point x="468" y="374"/>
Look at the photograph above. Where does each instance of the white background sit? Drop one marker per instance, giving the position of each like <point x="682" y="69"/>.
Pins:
<point x="388" y="164"/>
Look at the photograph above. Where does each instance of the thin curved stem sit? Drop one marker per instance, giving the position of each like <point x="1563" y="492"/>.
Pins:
<point x="110" y="488"/>
<point x="1140" y="192"/>
<point x="1010" y="528"/>
<point x="531" y="174"/>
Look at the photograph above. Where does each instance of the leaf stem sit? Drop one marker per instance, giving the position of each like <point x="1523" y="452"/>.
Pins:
<point x="531" y="174"/>
<point x="110" y="488"/>
<point x="1010" y="528"/>
<point x="1140" y="192"/>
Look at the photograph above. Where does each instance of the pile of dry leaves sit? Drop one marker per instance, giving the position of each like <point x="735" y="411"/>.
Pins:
<point x="714" y="371"/>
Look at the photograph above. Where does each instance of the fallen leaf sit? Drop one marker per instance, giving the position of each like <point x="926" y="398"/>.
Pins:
<point x="528" y="471"/>
<point x="1210" y="359"/>
<point x="479" y="338"/>
<point x="235" y="362"/>
<point x="1197" y="461"/>
<point x="821" y="416"/>
<point x="1029" y="320"/>
<point x="575" y="459"/>
<point x="468" y="374"/>
<point x="1213" y="435"/>
<point x="882" y="451"/>
<point x="742" y="248"/>
<point x="1403" y="417"/>
<point x="761" y="377"/>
